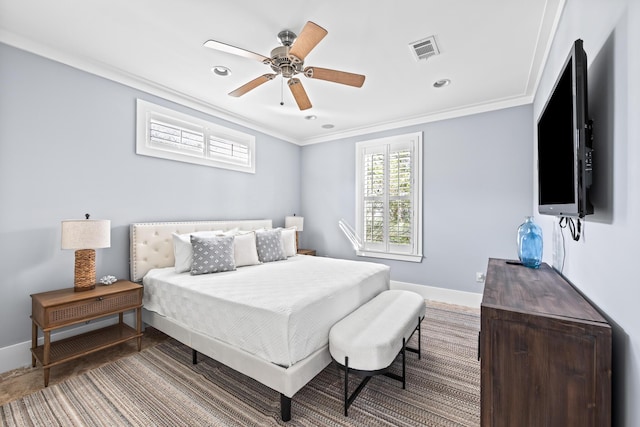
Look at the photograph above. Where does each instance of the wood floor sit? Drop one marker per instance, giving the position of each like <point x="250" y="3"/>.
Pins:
<point x="23" y="381"/>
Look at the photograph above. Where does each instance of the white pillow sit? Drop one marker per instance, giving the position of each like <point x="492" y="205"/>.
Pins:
<point x="245" y="250"/>
<point x="289" y="241"/>
<point x="183" y="251"/>
<point x="231" y="232"/>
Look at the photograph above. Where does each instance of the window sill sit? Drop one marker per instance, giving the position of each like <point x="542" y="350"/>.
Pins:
<point x="388" y="255"/>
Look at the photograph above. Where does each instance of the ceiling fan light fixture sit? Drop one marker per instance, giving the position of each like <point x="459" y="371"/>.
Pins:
<point x="221" y="70"/>
<point x="442" y="83"/>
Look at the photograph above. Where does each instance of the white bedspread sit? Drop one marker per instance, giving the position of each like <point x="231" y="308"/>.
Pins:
<point x="280" y="311"/>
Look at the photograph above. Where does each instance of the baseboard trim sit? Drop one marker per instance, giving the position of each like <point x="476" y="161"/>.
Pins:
<point x="19" y="355"/>
<point x="450" y="296"/>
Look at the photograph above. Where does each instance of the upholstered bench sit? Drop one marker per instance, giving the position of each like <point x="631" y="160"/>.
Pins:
<point x="367" y="341"/>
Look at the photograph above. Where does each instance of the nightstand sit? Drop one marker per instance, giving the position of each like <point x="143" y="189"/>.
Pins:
<point x="57" y="309"/>
<point x="311" y="252"/>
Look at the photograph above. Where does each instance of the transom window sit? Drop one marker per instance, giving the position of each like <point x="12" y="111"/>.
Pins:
<point x="389" y="197"/>
<point x="168" y="134"/>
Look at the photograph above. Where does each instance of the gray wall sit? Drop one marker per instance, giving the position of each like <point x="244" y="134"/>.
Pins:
<point x="603" y="263"/>
<point x="477" y="190"/>
<point x="67" y="147"/>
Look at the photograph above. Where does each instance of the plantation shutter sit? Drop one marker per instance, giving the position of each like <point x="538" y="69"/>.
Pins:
<point x="228" y="150"/>
<point x="374" y="197"/>
<point x="169" y="135"/>
<point x="388" y="197"/>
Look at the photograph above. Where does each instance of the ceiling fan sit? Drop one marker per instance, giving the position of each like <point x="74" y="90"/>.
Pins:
<point x="288" y="60"/>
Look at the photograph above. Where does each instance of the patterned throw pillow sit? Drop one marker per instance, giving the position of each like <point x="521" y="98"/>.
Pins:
<point x="269" y="244"/>
<point x="183" y="250"/>
<point x="212" y="255"/>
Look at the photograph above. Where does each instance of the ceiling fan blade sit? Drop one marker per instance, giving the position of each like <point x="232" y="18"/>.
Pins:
<point x="309" y="37"/>
<point x="299" y="94"/>
<point x="335" y="76"/>
<point x="223" y="47"/>
<point x="252" y="85"/>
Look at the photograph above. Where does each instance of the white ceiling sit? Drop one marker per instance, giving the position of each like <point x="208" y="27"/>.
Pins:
<point x="493" y="51"/>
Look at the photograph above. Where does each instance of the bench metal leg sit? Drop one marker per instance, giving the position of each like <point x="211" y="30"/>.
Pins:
<point x="419" y="339"/>
<point x="194" y="356"/>
<point x="404" y="365"/>
<point x="397" y="377"/>
<point x="419" y="349"/>
<point x="348" y="400"/>
<point x="346" y="385"/>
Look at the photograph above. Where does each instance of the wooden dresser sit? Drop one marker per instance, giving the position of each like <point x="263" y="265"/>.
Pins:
<point x="545" y="351"/>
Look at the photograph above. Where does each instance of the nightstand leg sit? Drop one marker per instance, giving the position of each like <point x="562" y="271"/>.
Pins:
<point x="34" y="342"/>
<point x="120" y="317"/>
<point x="45" y="356"/>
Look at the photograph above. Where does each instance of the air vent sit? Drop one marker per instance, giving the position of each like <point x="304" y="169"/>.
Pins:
<point x="425" y="48"/>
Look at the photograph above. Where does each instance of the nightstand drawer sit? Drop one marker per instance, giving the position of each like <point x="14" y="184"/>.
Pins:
<point x="79" y="310"/>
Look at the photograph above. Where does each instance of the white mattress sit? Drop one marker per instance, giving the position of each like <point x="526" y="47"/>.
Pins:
<point x="280" y="311"/>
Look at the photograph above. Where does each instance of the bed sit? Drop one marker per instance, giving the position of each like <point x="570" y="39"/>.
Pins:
<point x="269" y="321"/>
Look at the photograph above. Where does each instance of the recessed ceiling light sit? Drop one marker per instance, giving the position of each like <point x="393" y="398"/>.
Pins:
<point x="220" y="70"/>
<point x="442" y="83"/>
<point x="328" y="126"/>
<point x="311" y="117"/>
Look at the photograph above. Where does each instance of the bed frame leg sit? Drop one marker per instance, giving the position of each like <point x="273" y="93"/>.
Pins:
<point x="194" y="356"/>
<point x="285" y="407"/>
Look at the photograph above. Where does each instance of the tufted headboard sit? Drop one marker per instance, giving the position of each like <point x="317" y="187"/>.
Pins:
<point x="152" y="243"/>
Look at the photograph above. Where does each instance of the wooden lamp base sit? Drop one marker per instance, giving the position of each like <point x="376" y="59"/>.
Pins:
<point x="85" y="270"/>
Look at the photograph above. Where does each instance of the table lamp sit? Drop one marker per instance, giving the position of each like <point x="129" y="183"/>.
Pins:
<point x="294" y="221"/>
<point x="85" y="235"/>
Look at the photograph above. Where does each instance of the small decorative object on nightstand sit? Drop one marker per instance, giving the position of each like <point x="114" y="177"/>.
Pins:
<point x="57" y="309"/>
<point x="108" y="280"/>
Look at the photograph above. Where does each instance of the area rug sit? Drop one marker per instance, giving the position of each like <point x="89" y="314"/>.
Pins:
<point x="160" y="387"/>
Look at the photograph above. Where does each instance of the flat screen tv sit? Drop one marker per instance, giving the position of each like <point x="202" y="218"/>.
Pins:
<point x="565" y="143"/>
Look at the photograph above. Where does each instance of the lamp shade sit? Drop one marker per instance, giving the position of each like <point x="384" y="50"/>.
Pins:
<point x="294" y="221"/>
<point x="86" y="234"/>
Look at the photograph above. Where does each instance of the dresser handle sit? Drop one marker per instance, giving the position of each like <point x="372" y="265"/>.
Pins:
<point x="99" y="298"/>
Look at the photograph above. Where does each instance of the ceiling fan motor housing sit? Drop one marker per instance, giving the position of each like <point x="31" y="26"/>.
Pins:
<point x="283" y="62"/>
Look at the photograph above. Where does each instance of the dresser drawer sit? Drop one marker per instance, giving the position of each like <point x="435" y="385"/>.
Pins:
<point x="87" y="308"/>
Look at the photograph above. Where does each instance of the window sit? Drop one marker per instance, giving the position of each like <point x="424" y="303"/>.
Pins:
<point x="168" y="134"/>
<point x="389" y="197"/>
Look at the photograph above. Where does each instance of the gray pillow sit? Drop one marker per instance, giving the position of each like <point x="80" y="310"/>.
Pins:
<point x="269" y="245"/>
<point x="212" y="254"/>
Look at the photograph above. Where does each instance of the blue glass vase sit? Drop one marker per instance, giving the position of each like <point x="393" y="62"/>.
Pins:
<point x="530" y="243"/>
